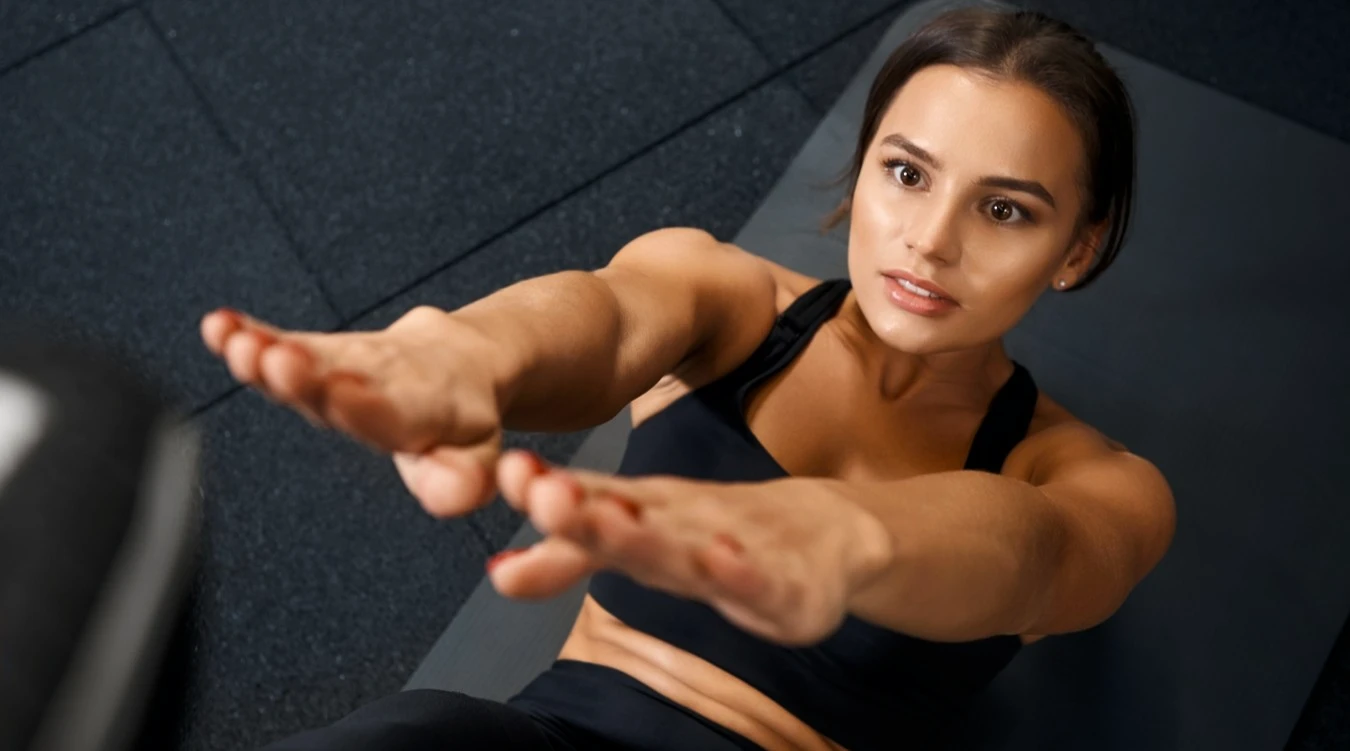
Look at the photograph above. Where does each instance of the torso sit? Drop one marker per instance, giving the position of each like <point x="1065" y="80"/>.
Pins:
<point x="881" y="445"/>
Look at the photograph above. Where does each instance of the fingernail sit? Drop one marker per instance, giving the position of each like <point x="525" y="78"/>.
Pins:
<point x="537" y="465"/>
<point x="729" y="542"/>
<point x="498" y="558"/>
<point x="630" y="508"/>
<point x="574" y="490"/>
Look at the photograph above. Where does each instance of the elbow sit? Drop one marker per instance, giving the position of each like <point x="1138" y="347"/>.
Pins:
<point x="1075" y="588"/>
<point x="1042" y="571"/>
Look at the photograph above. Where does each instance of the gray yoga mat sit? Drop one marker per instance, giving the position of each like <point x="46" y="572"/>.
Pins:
<point x="1214" y="348"/>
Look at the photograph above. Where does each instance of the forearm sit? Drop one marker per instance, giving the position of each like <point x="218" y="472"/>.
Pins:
<point x="569" y="350"/>
<point x="973" y="554"/>
<point x="552" y="342"/>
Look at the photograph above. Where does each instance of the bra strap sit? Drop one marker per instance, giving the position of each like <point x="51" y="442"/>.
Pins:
<point x="791" y="333"/>
<point x="1006" y="423"/>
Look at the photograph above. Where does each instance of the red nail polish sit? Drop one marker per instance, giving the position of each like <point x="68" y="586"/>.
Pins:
<point x="498" y="558"/>
<point x="574" y="488"/>
<point x="537" y="465"/>
<point x="630" y="508"/>
<point x="729" y="542"/>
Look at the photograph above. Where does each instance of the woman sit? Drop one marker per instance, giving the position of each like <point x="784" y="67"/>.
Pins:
<point x="843" y="508"/>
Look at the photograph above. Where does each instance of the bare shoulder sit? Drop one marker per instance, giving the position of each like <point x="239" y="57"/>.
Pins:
<point x="748" y="316"/>
<point x="1114" y="495"/>
<point x="1056" y="434"/>
<point x="740" y="296"/>
<point x="788" y="284"/>
<point x="689" y="250"/>
<point x="1117" y="510"/>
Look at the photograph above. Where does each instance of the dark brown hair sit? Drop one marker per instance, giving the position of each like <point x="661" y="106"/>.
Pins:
<point x="1051" y="55"/>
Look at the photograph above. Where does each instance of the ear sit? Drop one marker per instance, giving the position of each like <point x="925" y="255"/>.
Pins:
<point x="1082" y="253"/>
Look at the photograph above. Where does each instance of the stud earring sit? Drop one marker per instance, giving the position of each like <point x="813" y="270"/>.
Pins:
<point x="1062" y="284"/>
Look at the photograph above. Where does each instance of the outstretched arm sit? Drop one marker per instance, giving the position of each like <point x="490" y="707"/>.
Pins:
<point x="558" y="352"/>
<point x="949" y="557"/>
<point x="577" y="346"/>
<point x="1055" y="550"/>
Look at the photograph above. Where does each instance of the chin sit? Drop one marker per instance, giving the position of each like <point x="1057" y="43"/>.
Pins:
<point x="907" y="332"/>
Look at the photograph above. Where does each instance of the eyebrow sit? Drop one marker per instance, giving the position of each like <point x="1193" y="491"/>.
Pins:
<point x="993" y="181"/>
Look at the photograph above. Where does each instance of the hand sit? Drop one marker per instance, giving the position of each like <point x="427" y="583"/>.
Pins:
<point x="422" y="389"/>
<point x="779" y="559"/>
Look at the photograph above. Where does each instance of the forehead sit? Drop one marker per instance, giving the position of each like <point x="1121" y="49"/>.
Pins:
<point x="977" y="124"/>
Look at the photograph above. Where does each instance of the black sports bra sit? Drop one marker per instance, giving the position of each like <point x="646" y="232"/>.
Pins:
<point x="864" y="687"/>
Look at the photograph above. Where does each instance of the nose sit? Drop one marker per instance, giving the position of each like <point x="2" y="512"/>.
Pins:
<point x="931" y="232"/>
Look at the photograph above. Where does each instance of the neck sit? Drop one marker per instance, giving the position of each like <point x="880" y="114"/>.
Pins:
<point x="960" y="377"/>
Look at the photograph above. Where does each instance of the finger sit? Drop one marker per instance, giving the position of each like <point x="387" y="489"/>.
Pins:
<point x="643" y="549"/>
<point x="644" y="491"/>
<point x="243" y="341"/>
<point x="543" y="570"/>
<point x="349" y="403"/>
<point x="249" y="323"/>
<point x="553" y="503"/>
<point x="646" y="548"/>
<point x="575" y="505"/>
<point x="288" y="374"/>
<point x="515" y="471"/>
<point x="299" y="371"/>
<point x="450" y="481"/>
<point x="646" y="542"/>
<point x="242" y="351"/>
<point x="217" y="326"/>
<point x="520" y="467"/>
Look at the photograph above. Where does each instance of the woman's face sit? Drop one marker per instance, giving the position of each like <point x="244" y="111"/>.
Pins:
<point x="971" y="185"/>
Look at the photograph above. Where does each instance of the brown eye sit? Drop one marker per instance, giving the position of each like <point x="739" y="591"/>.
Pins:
<point x="908" y="175"/>
<point x="1002" y="210"/>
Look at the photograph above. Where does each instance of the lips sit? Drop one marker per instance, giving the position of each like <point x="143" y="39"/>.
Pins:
<point x="921" y="283"/>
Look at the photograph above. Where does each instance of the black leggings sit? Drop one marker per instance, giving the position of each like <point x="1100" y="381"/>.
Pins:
<point x="572" y="706"/>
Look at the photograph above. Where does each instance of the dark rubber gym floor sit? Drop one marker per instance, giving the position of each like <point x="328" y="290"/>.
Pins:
<point x="328" y="165"/>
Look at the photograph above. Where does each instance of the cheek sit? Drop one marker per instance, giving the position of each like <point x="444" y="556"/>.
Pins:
<point x="1009" y="262"/>
<point x="875" y="226"/>
<point x="1005" y="288"/>
<point x="876" y="209"/>
<point x="1003" y="270"/>
<point x="1009" y="299"/>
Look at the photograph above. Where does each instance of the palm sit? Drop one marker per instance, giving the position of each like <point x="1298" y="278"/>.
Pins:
<point x="774" y="561"/>
<point x="408" y="390"/>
